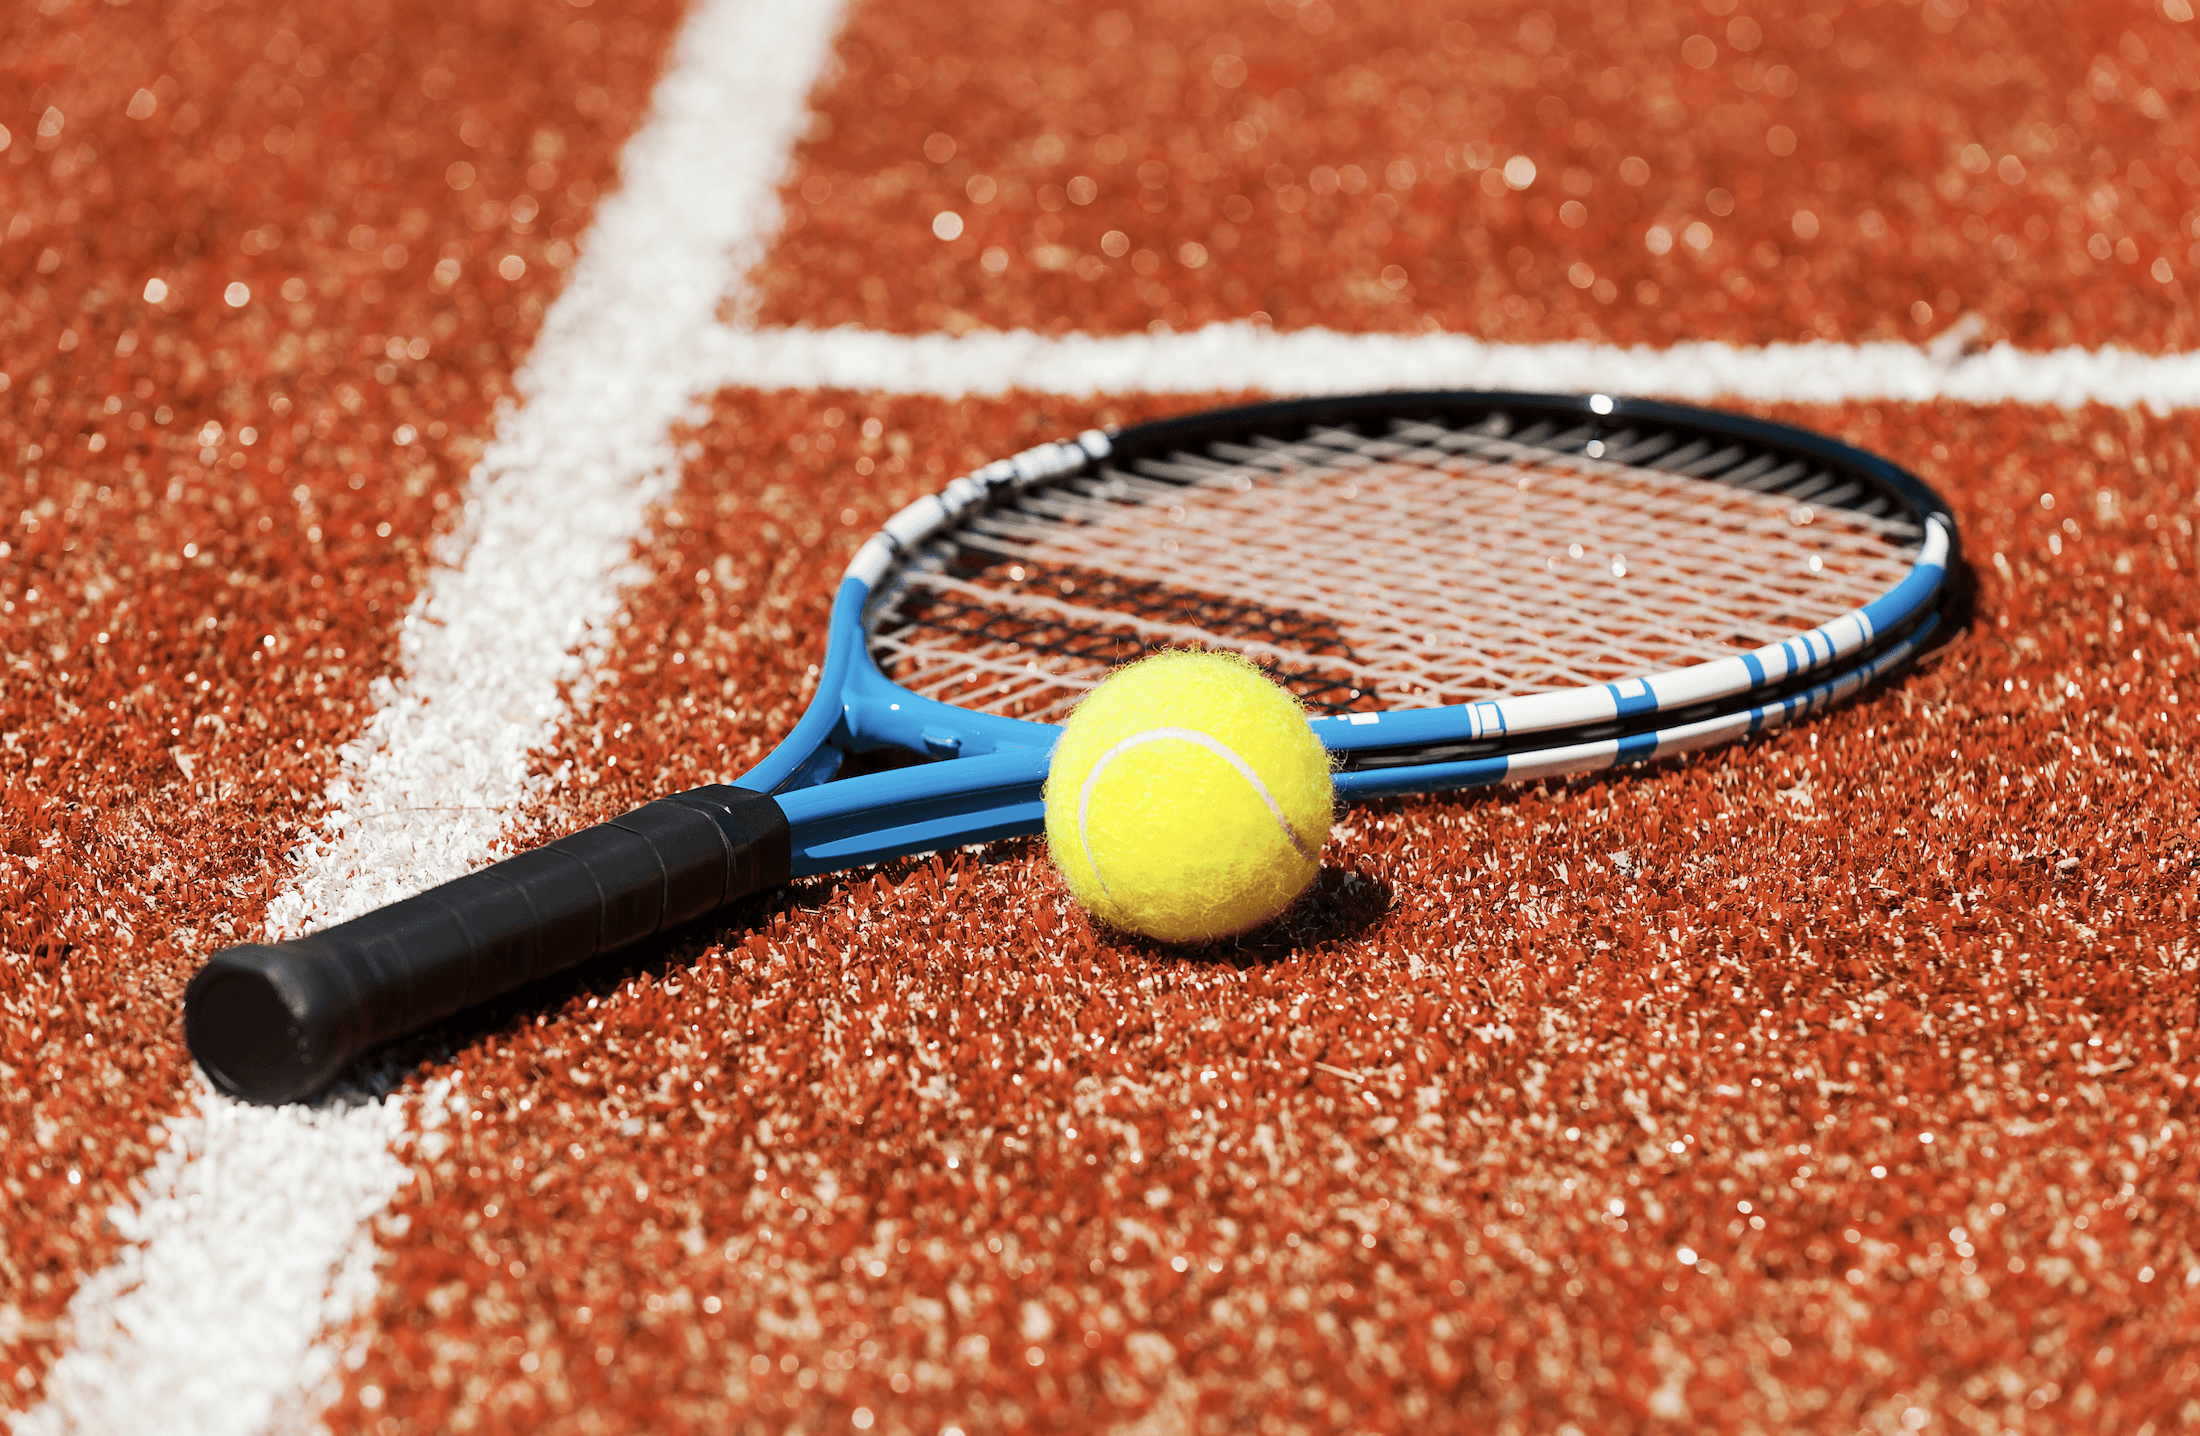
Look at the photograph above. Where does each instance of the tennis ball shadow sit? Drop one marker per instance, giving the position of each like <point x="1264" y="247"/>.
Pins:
<point x="1341" y="904"/>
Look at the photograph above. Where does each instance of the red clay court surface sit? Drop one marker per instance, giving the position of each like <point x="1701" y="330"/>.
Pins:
<point x="1840" y="1081"/>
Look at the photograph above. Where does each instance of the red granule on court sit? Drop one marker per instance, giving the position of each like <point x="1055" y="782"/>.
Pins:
<point x="1632" y="173"/>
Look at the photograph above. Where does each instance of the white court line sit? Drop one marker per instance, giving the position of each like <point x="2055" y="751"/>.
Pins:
<point x="250" y="1234"/>
<point x="1230" y="357"/>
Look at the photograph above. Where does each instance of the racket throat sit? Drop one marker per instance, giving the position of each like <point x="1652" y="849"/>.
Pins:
<point x="822" y="766"/>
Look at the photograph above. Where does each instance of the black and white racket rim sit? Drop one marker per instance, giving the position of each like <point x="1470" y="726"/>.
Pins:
<point x="1445" y="579"/>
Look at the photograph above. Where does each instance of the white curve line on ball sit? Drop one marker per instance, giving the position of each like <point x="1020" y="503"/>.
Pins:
<point x="1208" y="741"/>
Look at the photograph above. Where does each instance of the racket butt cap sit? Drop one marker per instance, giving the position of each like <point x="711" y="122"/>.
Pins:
<point x="258" y="1020"/>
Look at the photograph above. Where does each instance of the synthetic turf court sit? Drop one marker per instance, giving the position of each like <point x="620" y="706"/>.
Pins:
<point x="431" y="428"/>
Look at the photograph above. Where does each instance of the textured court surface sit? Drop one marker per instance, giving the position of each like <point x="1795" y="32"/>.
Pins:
<point x="373" y="498"/>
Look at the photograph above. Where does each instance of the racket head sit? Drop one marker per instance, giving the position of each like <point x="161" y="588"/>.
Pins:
<point x="1441" y="576"/>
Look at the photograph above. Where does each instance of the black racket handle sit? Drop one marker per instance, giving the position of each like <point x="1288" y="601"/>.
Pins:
<point x="275" y="1022"/>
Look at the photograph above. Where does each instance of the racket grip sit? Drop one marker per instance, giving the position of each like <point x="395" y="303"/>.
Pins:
<point x="275" y="1022"/>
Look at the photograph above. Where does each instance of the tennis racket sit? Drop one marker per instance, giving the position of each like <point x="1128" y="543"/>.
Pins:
<point x="1464" y="589"/>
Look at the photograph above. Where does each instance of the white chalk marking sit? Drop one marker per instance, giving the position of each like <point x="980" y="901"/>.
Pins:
<point x="1230" y="357"/>
<point x="250" y="1239"/>
<point x="249" y="1236"/>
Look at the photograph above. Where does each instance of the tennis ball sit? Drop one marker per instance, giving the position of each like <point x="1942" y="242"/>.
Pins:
<point x="1188" y="799"/>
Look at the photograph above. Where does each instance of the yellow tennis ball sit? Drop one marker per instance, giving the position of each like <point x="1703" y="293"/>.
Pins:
<point x="1188" y="799"/>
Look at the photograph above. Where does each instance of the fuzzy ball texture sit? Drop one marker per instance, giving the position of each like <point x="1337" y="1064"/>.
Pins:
<point x="1188" y="798"/>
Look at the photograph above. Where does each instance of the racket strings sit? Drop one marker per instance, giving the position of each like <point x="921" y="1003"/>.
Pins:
<point x="1732" y="465"/>
<point x="1260" y="531"/>
<point x="1429" y="564"/>
<point x="1030" y="651"/>
<point x="1725" y="553"/>
<point x="1672" y="525"/>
